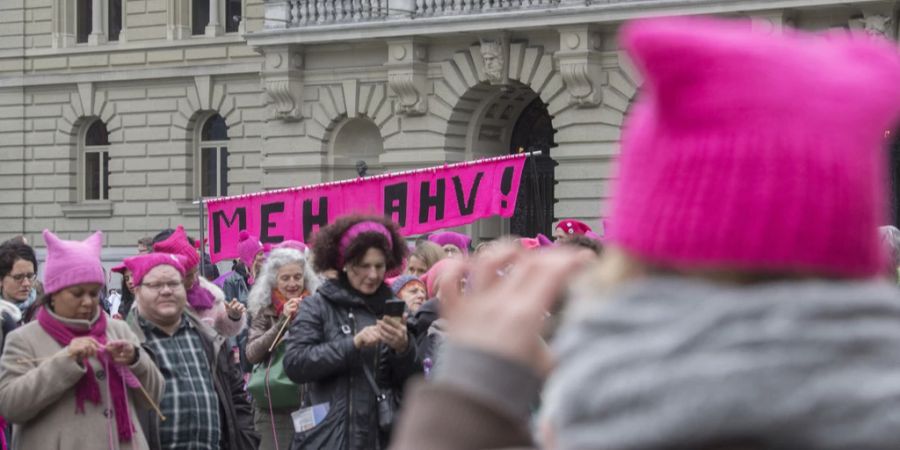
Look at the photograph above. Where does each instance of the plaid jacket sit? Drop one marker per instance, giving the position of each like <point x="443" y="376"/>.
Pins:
<point x="189" y="402"/>
<point x="235" y="414"/>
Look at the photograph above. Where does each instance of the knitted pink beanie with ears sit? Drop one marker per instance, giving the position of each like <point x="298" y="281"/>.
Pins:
<point x="755" y="151"/>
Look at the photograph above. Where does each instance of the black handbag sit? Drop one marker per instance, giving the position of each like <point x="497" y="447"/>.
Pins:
<point x="387" y="406"/>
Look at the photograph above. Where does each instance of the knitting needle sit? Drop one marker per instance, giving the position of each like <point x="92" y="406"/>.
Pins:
<point x="278" y="336"/>
<point x="152" y="403"/>
<point x="29" y="360"/>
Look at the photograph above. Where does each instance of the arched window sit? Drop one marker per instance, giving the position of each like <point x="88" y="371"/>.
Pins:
<point x="96" y="162"/>
<point x="213" y="161"/>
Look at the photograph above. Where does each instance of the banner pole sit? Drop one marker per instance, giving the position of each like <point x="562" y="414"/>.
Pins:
<point x="202" y="233"/>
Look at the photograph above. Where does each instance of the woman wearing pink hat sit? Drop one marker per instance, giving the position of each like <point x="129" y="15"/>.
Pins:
<point x="72" y="378"/>
<point x="740" y="299"/>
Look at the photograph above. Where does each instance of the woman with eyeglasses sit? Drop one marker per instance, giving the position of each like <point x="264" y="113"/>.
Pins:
<point x="18" y="267"/>
<point x="284" y="281"/>
<point x="346" y="339"/>
<point x="73" y="378"/>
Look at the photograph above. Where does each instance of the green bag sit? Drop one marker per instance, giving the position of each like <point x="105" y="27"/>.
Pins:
<point x="271" y="387"/>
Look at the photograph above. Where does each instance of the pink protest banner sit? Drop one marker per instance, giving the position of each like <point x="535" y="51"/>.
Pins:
<point x="419" y="200"/>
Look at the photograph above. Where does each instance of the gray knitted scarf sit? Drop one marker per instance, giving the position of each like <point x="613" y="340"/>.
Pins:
<point x="678" y="363"/>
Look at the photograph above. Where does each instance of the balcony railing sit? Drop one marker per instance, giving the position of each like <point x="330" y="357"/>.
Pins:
<point x="426" y="8"/>
<point x="314" y="12"/>
<point x="301" y="13"/>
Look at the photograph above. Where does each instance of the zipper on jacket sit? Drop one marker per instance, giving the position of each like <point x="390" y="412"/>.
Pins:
<point x="350" y="386"/>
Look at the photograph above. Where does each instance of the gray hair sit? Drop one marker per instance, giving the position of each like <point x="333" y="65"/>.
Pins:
<point x="261" y="294"/>
<point x="890" y="240"/>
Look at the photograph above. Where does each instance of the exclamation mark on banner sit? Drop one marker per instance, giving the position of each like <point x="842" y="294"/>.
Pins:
<point x="506" y="185"/>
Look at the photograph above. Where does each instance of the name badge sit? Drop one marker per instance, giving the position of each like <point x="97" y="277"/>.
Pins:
<point x="307" y="418"/>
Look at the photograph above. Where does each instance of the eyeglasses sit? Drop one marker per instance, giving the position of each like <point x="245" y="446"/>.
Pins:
<point x="173" y="285"/>
<point x="20" y="277"/>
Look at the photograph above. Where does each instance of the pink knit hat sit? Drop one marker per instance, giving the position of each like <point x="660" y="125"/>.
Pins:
<point x="178" y="244"/>
<point x="72" y="262"/>
<point x="296" y="245"/>
<point x="755" y="151"/>
<point x="141" y="264"/>
<point x="453" y="238"/>
<point x="572" y="226"/>
<point x="248" y="247"/>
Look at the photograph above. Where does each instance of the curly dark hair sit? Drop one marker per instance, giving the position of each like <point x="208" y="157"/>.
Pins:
<point x="12" y="251"/>
<point x="327" y="242"/>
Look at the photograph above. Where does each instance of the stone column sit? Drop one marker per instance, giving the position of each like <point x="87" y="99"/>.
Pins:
<point x="97" y="36"/>
<point x="213" y="28"/>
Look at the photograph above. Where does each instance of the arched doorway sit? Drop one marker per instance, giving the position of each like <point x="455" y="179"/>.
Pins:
<point x="356" y="148"/>
<point x="533" y="135"/>
<point x="893" y="137"/>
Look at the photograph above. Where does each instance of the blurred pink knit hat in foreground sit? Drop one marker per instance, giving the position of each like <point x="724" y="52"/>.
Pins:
<point x="754" y="151"/>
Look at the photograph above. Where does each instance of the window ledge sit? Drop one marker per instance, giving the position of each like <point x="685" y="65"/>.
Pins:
<point x="188" y="208"/>
<point x="87" y="210"/>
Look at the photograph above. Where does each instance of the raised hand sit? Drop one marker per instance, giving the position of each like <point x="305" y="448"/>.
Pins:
<point x="291" y="307"/>
<point x="506" y="301"/>
<point x="235" y="309"/>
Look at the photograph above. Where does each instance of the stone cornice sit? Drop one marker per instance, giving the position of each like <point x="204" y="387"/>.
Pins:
<point x="597" y="12"/>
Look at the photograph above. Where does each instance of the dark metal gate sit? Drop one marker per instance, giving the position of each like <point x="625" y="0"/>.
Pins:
<point x="894" y="139"/>
<point x="533" y="135"/>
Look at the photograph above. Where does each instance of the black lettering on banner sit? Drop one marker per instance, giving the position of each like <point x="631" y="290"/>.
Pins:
<point x="467" y="207"/>
<point x="310" y="219"/>
<point x="264" y="223"/>
<point x="427" y="202"/>
<point x="506" y="184"/>
<point x="239" y="215"/>
<point x="395" y="202"/>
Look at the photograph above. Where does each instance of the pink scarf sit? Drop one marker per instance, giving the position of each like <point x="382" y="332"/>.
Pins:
<point x="87" y="388"/>
<point x="200" y="298"/>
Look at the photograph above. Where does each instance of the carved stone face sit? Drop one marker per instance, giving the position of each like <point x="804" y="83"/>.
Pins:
<point x="493" y="61"/>
<point x="876" y="25"/>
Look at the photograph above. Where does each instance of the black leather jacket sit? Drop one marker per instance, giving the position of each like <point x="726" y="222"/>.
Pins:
<point x="320" y="351"/>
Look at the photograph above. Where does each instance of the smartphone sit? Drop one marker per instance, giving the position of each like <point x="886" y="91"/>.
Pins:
<point x="394" y="308"/>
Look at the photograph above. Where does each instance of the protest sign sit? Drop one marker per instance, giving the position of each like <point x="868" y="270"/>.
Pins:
<point x="419" y="201"/>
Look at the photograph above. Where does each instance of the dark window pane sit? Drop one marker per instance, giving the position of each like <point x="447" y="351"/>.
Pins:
<point x="232" y="15"/>
<point x="96" y="134"/>
<point x="83" y="20"/>
<point x="223" y="171"/>
<point x="199" y="16"/>
<point x="92" y="176"/>
<point x="115" y="19"/>
<point x="105" y="175"/>
<point x="214" y="129"/>
<point x="208" y="172"/>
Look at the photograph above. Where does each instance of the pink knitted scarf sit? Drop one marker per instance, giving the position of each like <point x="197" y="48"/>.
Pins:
<point x="200" y="298"/>
<point x="87" y="388"/>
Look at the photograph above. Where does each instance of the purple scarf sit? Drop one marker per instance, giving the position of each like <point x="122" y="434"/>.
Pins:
<point x="200" y="298"/>
<point x="87" y="388"/>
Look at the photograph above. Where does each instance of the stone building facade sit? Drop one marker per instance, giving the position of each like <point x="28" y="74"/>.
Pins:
<point x="119" y="114"/>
